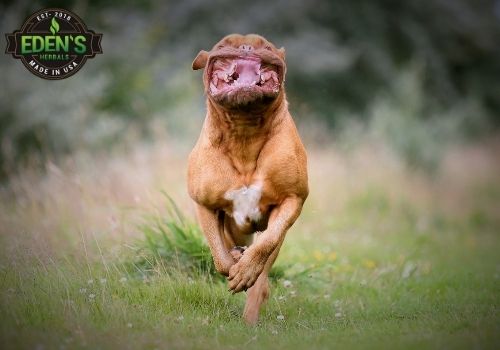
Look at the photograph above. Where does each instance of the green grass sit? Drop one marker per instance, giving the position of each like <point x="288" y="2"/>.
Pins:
<point x="444" y="294"/>
<point x="172" y="238"/>
<point x="375" y="271"/>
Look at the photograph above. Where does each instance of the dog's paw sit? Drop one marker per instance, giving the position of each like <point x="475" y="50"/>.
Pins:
<point x="237" y="252"/>
<point x="244" y="273"/>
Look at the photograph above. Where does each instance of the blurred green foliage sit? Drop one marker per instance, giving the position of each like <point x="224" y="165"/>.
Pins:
<point x="346" y="61"/>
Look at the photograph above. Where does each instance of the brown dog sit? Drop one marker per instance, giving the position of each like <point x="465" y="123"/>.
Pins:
<point x="248" y="170"/>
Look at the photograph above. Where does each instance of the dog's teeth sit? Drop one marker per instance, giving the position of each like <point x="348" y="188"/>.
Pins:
<point x="213" y="87"/>
<point x="275" y="77"/>
<point x="233" y="69"/>
<point x="226" y="78"/>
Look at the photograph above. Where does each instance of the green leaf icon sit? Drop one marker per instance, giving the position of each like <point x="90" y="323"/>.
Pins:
<point x="54" y="26"/>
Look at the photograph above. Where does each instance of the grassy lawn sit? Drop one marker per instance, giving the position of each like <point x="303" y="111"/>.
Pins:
<point x="381" y="257"/>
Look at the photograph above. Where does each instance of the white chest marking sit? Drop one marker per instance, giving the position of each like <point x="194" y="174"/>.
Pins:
<point x="245" y="203"/>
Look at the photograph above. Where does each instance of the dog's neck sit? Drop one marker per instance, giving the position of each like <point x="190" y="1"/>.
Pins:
<point x="242" y="125"/>
<point x="241" y="133"/>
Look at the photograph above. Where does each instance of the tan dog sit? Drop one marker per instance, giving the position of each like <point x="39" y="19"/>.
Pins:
<point x="248" y="170"/>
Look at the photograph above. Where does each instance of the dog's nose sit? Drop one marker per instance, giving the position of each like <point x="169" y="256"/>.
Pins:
<point x="246" y="48"/>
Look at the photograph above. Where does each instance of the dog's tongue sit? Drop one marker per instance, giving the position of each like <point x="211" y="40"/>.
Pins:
<point x="248" y="72"/>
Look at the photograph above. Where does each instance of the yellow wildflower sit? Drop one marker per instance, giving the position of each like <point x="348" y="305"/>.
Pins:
<point x="318" y="255"/>
<point x="369" y="264"/>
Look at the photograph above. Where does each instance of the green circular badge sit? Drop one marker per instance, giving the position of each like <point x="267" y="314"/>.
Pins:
<point x="53" y="43"/>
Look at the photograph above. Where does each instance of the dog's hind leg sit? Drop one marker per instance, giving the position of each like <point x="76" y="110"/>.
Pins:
<point x="259" y="292"/>
<point x="256" y="296"/>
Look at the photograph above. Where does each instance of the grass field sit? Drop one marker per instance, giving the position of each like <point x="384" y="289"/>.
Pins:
<point x="382" y="257"/>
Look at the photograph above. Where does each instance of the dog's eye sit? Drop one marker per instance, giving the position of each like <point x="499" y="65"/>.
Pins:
<point x="220" y="47"/>
<point x="268" y="48"/>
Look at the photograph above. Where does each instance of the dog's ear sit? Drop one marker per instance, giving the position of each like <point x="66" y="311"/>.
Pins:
<point x="201" y="60"/>
<point x="282" y="53"/>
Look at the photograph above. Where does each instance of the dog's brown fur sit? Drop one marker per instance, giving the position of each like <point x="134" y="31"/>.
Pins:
<point x="248" y="140"/>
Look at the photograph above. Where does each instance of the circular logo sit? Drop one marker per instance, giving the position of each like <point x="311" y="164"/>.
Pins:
<point x="53" y="43"/>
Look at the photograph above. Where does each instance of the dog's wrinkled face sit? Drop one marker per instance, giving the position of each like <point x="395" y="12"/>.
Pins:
<point x="242" y="71"/>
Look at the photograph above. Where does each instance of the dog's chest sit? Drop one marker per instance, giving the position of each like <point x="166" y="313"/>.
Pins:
<point x="246" y="202"/>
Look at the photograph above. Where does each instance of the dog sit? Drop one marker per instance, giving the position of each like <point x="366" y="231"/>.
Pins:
<point x="247" y="172"/>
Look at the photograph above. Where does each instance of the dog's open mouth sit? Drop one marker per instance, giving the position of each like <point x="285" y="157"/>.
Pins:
<point x="250" y="74"/>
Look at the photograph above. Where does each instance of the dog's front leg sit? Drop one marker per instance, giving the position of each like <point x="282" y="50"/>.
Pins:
<point x="212" y="230"/>
<point x="244" y="273"/>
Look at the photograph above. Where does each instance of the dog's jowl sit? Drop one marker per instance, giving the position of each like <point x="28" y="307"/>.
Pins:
<point x="248" y="171"/>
